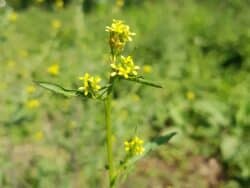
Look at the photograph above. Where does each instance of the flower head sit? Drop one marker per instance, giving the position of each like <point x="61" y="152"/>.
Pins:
<point x="53" y="70"/>
<point x="120" y="34"/>
<point x="90" y="84"/>
<point x="134" y="146"/>
<point x="125" y="68"/>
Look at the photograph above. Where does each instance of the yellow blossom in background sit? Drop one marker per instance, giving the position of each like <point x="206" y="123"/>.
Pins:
<point x="147" y="69"/>
<point x="11" y="64"/>
<point x="12" y="17"/>
<point x="126" y="68"/>
<point x="134" y="146"/>
<point x="39" y="136"/>
<point x="56" y="24"/>
<point x="59" y="4"/>
<point x="135" y="97"/>
<point x="119" y="3"/>
<point x="72" y="125"/>
<point x="190" y="95"/>
<point x="30" y="89"/>
<point x="53" y="70"/>
<point x="90" y="83"/>
<point x="23" y="53"/>
<point x="33" y="103"/>
<point x="39" y="1"/>
<point x="3" y="86"/>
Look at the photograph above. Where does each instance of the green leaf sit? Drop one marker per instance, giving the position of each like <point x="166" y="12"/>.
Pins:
<point x="150" y="146"/>
<point x="145" y="82"/>
<point x="57" y="89"/>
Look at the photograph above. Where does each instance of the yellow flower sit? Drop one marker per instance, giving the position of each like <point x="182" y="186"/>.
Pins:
<point x="39" y="1"/>
<point x="134" y="146"/>
<point x="11" y="64"/>
<point x="30" y="89"/>
<point x="120" y="34"/>
<point x="90" y="83"/>
<point x="119" y="3"/>
<point x="39" y="135"/>
<point x="56" y="24"/>
<point x="33" y="103"/>
<point x="23" y="53"/>
<point x="190" y="95"/>
<point x="125" y="68"/>
<point x="59" y="4"/>
<point x="12" y="17"/>
<point x="53" y="70"/>
<point x="147" y="69"/>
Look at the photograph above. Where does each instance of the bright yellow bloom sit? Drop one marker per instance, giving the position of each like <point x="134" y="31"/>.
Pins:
<point x="33" y="103"/>
<point x="30" y="89"/>
<point x="12" y="17"/>
<point x="134" y="146"/>
<point x="56" y="24"/>
<point x="190" y="95"/>
<point x="53" y="70"/>
<point x="120" y="34"/>
<point x="90" y="83"/>
<point x="147" y="69"/>
<point x="125" y="68"/>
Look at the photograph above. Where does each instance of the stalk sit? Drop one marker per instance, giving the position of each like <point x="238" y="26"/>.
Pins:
<point x="107" y="103"/>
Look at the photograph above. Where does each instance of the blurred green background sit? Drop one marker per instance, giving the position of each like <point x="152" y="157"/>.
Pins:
<point x="198" y="50"/>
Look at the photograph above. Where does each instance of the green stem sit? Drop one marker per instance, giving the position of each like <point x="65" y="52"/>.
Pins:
<point x="109" y="139"/>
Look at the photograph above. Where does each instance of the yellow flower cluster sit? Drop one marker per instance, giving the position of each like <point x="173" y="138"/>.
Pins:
<point x="90" y="83"/>
<point x="120" y="34"/>
<point x="125" y="68"/>
<point x="134" y="146"/>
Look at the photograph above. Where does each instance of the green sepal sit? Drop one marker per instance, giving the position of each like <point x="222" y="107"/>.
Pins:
<point x="58" y="89"/>
<point x="145" y="82"/>
<point x="151" y="146"/>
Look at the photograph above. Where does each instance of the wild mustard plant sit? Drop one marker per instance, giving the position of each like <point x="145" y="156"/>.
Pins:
<point x="121" y="68"/>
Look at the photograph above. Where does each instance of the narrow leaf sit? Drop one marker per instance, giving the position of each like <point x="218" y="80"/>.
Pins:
<point x="57" y="89"/>
<point x="145" y="82"/>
